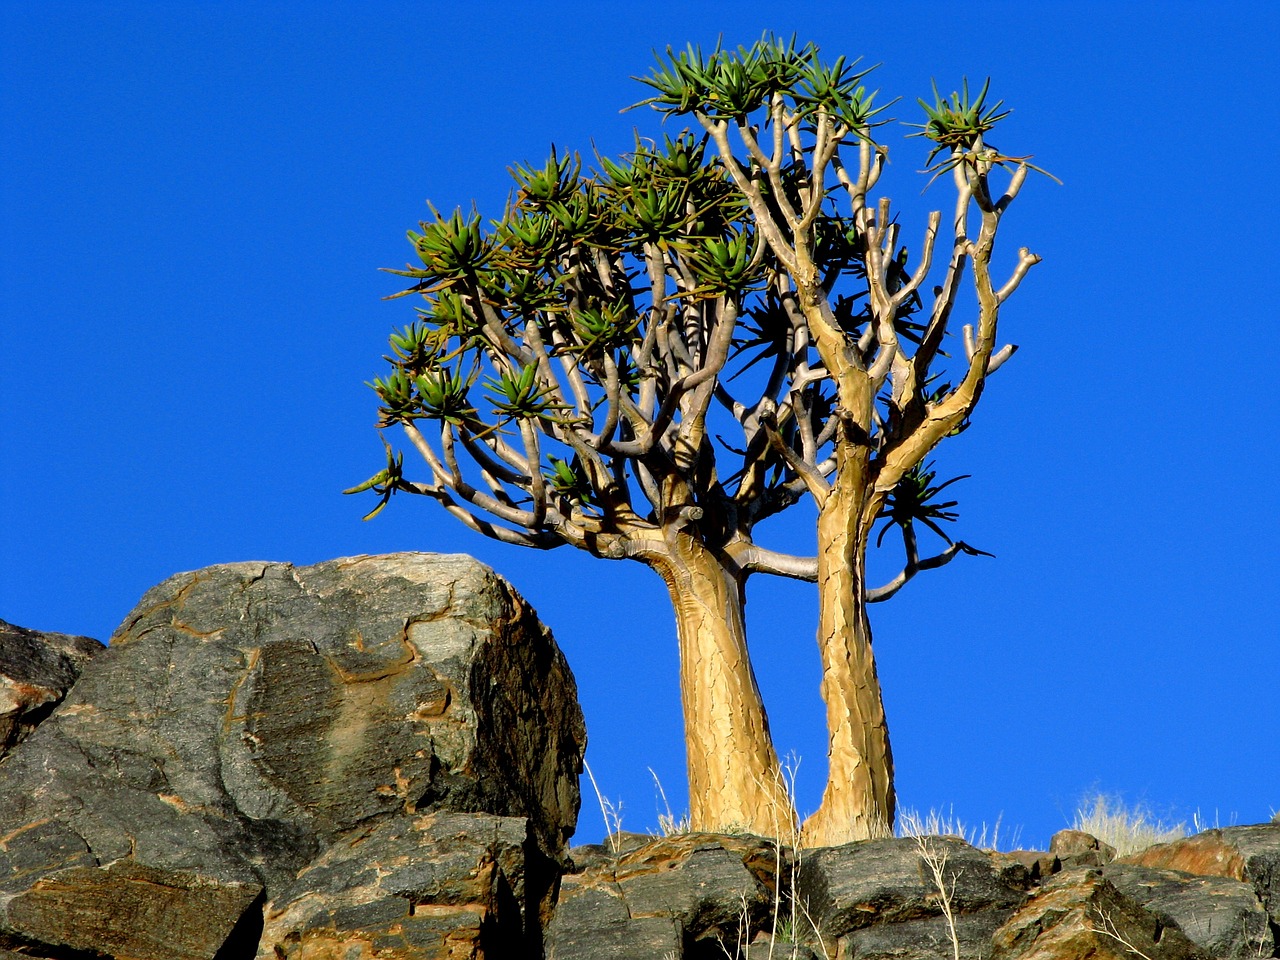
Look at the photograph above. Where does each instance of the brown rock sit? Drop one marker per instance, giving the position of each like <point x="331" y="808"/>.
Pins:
<point x="1220" y="914"/>
<point x="36" y="671"/>
<point x="1209" y="854"/>
<point x="439" y="885"/>
<point x="649" y="899"/>
<point x="1079" y="915"/>
<point x="1038" y="864"/>
<point x="1080" y="849"/>
<point x="132" y="910"/>
<point x="1247" y="853"/>
<point x="888" y="881"/>
<point x="260" y="727"/>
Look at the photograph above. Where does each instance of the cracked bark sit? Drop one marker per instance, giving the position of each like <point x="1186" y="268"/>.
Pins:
<point x="735" y="780"/>
<point x="858" y="801"/>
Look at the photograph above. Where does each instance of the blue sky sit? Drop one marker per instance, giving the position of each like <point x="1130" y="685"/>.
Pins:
<point x="196" y="199"/>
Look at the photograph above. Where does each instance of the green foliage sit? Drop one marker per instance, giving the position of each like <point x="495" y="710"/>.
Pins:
<point x="594" y="296"/>
<point x="442" y="395"/>
<point x="608" y="326"/>
<point x="957" y="126"/>
<point x="915" y="500"/>
<point x="837" y="90"/>
<point x="398" y="397"/>
<point x="726" y="265"/>
<point x="553" y="183"/>
<point x="520" y="395"/>
<point x="734" y="85"/>
<point x="959" y="121"/>
<point x="385" y="482"/>
<point x="569" y="481"/>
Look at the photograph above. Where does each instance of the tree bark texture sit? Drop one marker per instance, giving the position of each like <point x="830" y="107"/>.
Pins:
<point x="858" y="802"/>
<point x="735" y="780"/>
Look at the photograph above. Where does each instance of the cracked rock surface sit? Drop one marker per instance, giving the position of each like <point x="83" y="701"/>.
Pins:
<point x="252" y="722"/>
<point x="36" y="671"/>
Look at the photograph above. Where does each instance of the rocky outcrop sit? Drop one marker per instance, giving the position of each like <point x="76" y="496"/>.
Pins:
<point x="1250" y="854"/>
<point x="36" y="671"/>
<point x="1079" y="915"/>
<point x="882" y="899"/>
<point x="1075" y="848"/>
<point x="300" y="762"/>
<point x="690" y="895"/>
<point x="902" y="899"/>
<point x="377" y="759"/>
<point x="1222" y="916"/>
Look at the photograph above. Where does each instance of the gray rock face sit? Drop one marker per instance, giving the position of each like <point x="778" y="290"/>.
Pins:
<point x="440" y="884"/>
<point x="1221" y="915"/>
<point x="36" y="671"/>
<point x="879" y="898"/>
<point x="1247" y="853"/>
<point x="688" y="895"/>
<point x="1080" y="915"/>
<point x="253" y="722"/>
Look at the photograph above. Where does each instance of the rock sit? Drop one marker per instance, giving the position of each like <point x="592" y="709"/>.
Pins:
<point x="1080" y="915"/>
<point x="1038" y="864"/>
<point x="1075" y="848"/>
<point x="641" y="938"/>
<point x="926" y="938"/>
<point x="137" y="911"/>
<point x="765" y="947"/>
<point x="706" y="890"/>
<point x="36" y="671"/>
<point x="254" y="722"/>
<point x="1248" y="853"/>
<point x="442" y="884"/>
<point x="878" y="898"/>
<point x="1220" y="914"/>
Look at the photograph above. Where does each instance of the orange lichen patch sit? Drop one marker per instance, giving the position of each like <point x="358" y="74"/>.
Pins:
<point x="29" y="693"/>
<point x="1205" y="854"/>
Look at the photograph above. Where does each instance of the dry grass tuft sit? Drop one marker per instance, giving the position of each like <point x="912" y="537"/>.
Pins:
<point x="1129" y="830"/>
<point x="936" y="823"/>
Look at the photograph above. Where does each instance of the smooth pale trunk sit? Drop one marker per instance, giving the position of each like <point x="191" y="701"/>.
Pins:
<point x="735" y="781"/>
<point x="858" y="802"/>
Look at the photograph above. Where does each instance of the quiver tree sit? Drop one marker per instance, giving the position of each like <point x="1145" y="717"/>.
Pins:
<point x="870" y="391"/>
<point x="557" y="385"/>
<point x="647" y="362"/>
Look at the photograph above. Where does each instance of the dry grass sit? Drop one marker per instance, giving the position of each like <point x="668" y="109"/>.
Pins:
<point x="611" y="812"/>
<point x="924" y="832"/>
<point x="668" y="823"/>
<point x="1127" y="829"/>
<point x="936" y="823"/>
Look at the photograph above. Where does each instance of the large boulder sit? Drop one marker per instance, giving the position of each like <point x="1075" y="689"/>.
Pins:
<point x="253" y="725"/>
<point x="1250" y="854"/>
<point x="690" y="895"/>
<point x="883" y="899"/>
<point x="1220" y="914"/>
<point x="1080" y="915"/>
<point x="36" y="671"/>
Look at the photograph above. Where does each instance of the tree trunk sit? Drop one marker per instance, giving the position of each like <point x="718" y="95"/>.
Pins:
<point x="858" y="802"/>
<point x="735" y="781"/>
